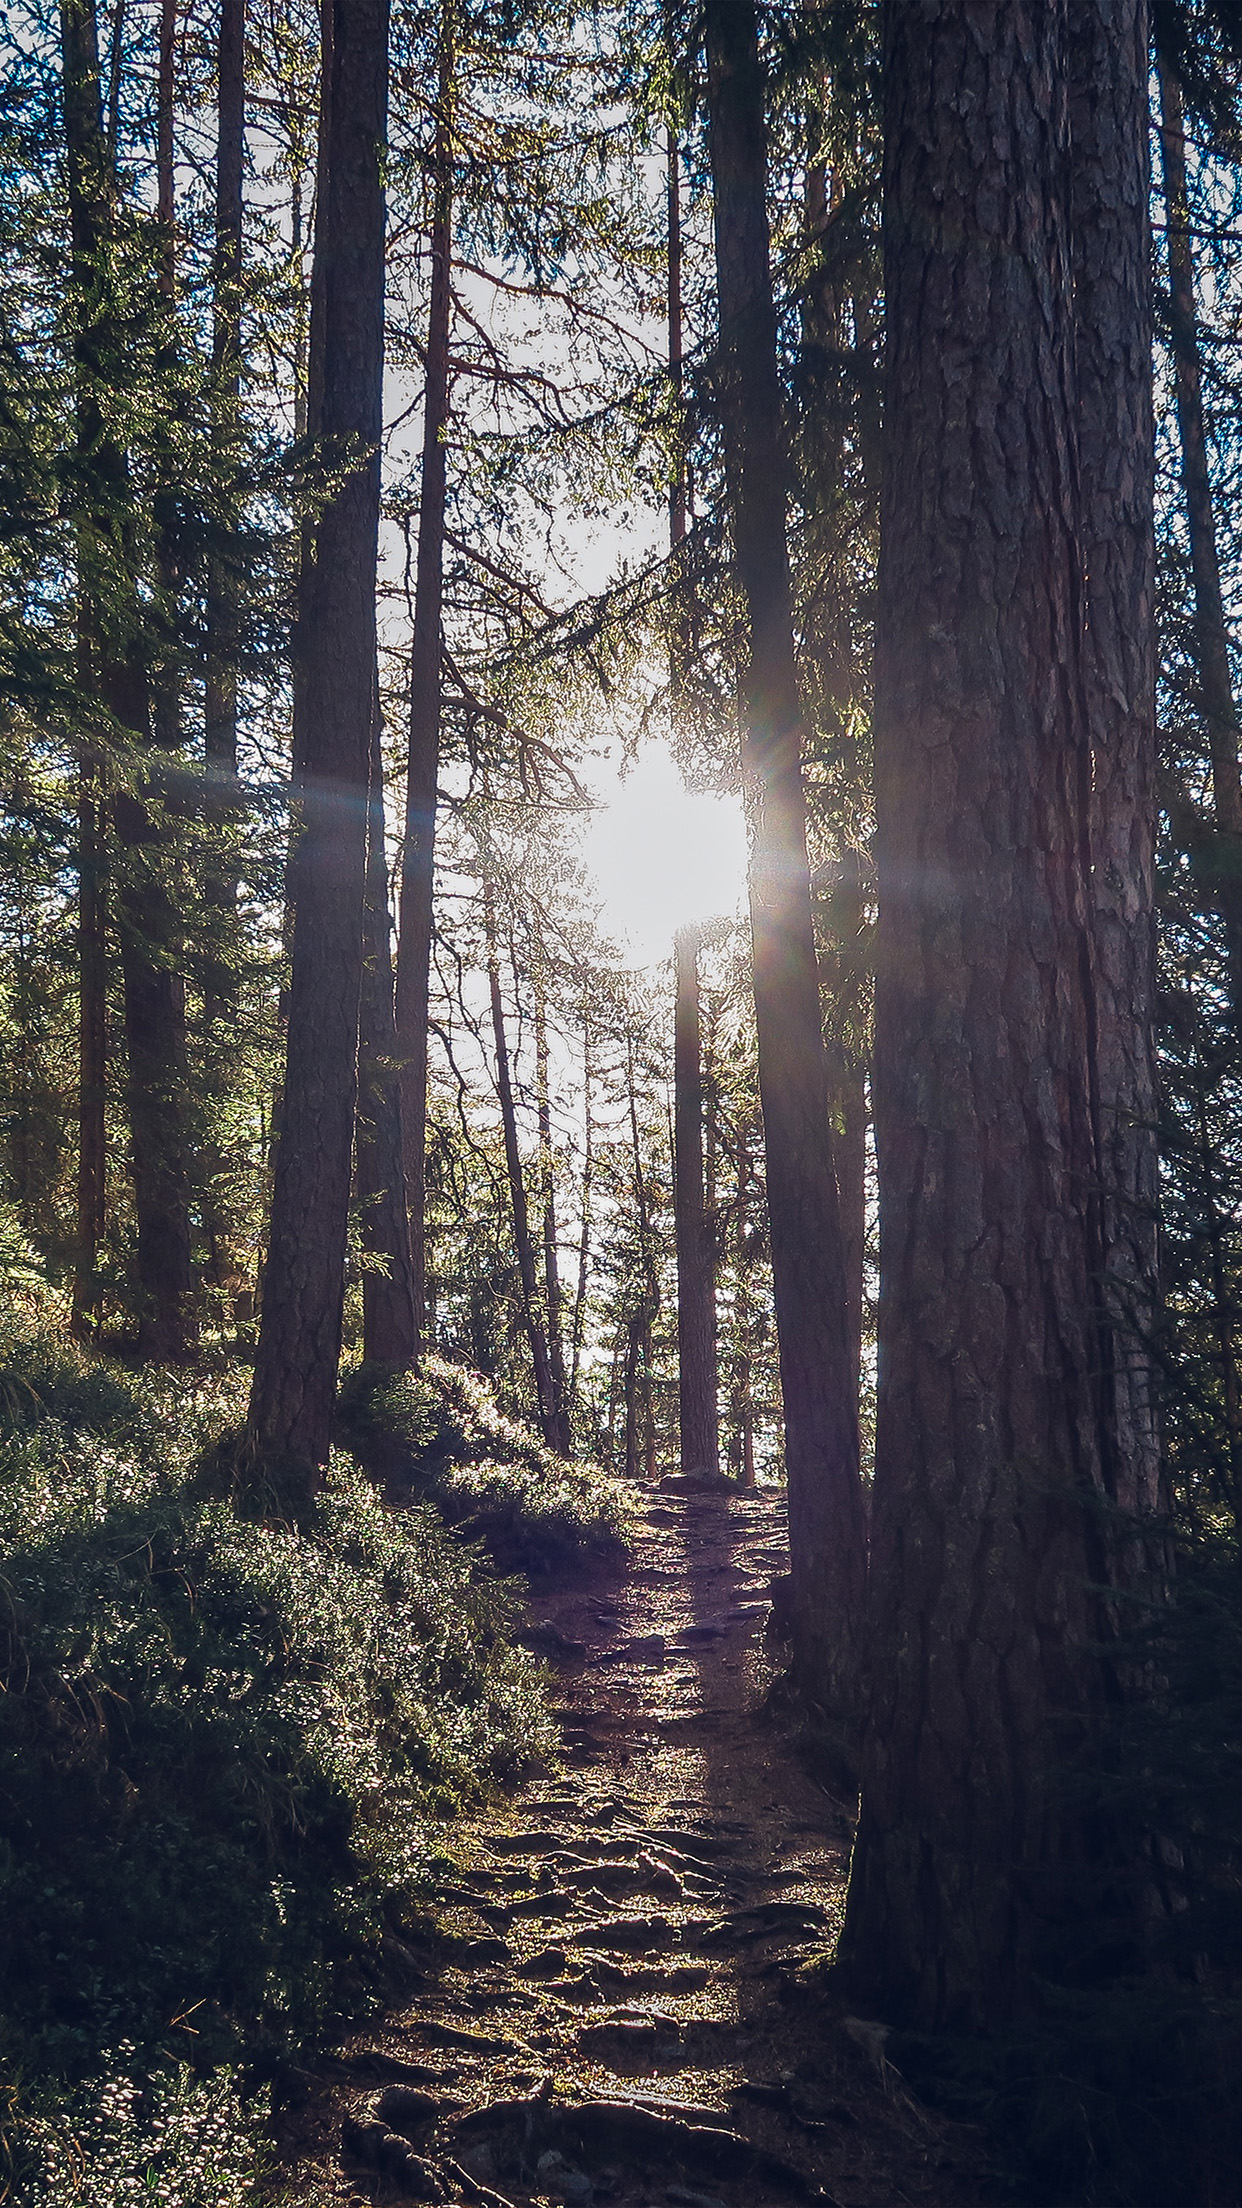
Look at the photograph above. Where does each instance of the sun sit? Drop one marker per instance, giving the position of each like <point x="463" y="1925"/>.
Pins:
<point x="662" y="855"/>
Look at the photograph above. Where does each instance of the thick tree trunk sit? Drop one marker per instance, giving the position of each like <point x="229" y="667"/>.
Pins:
<point x="1111" y="186"/>
<point x="303" y="1290"/>
<point x="418" y="862"/>
<point x="1216" y="695"/>
<point x="148" y="925"/>
<point x="536" y="1335"/>
<point x="696" y="1270"/>
<point x="827" y="1534"/>
<point x="389" y="1332"/>
<point x="988" y="1534"/>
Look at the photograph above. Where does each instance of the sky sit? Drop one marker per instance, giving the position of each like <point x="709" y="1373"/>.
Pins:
<point x="661" y="855"/>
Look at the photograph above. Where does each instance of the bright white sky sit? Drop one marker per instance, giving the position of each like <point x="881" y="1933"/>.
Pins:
<point x="662" y="855"/>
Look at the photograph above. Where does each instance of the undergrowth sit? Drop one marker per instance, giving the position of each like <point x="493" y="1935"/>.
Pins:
<point x="226" y="1749"/>
<point x="442" y="1432"/>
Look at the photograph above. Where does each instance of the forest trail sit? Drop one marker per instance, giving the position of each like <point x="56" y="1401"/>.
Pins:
<point x="622" y="2008"/>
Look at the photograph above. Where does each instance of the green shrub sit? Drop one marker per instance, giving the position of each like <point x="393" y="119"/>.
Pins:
<point x="224" y="1746"/>
<point x="129" y="2142"/>
<point x="443" y="1432"/>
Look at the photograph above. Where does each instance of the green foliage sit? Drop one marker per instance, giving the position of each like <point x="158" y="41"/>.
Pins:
<point x="486" y="1473"/>
<point x="181" y="2140"/>
<point x="223" y="1745"/>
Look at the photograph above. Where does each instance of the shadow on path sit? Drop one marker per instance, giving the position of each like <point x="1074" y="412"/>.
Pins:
<point x="629" y="2007"/>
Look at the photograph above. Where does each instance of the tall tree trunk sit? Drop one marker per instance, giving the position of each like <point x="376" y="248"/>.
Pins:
<point x="389" y="1332"/>
<point x="551" y="1257"/>
<point x="536" y="1335"/>
<point x="303" y="1290"/>
<point x="92" y="1044"/>
<point x="418" y="862"/>
<point x="111" y="620"/>
<point x="640" y="1401"/>
<point x="826" y="1522"/>
<point x="1216" y="696"/>
<point x="696" y="1271"/>
<point x="1110" y="199"/>
<point x="225" y="1265"/>
<point x="577" y="1332"/>
<point x="988" y="1530"/>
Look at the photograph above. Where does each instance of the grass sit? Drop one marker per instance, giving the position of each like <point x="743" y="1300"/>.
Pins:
<point x="227" y="1751"/>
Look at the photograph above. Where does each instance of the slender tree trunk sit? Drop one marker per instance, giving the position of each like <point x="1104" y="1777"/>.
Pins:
<point x="303" y="1290"/>
<point x="989" y="1535"/>
<point x="92" y="1045"/>
<point x="418" y="862"/>
<point x="578" y="1325"/>
<point x="1216" y="695"/>
<point x="147" y="921"/>
<point x="696" y="1281"/>
<point x="826" y="1521"/>
<point x="226" y="1267"/>
<point x="389" y="1333"/>
<point x="640" y="1427"/>
<point x="551" y="1260"/>
<point x="545" y="1394"/>
<point x="1111" y="191"/>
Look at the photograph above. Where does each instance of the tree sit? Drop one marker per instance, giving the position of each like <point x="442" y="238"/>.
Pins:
<point x="423" y="769"/>
<point x="827" y="1538"/>
<point x="303" y="1288"/>
<point x="114" y="649"/>
<point x="994" y="1439"/>
<point x="696" y="1266"/>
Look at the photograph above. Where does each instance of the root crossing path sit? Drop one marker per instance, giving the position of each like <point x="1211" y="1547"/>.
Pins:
<point x="626" y="2004"/>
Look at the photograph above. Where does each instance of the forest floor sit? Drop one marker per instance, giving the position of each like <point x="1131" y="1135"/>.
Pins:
<point x="625" y="2002"/>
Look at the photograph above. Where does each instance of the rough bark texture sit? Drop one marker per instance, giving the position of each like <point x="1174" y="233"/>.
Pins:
<point x="1216" y="697"/>
<point x="303" y="1291"/>
<point x="113" y="652"/>
<point x="389" y="1328"/>
<point x="696" y="1271"/>
<point x="992" y="1441"/>
<point x="1110" y="187"/>
<point x="827" y="1536"/>
<point x="418" y="861"/>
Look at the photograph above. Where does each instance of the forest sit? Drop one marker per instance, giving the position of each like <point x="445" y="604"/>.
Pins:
<point x="522" y="1407"/>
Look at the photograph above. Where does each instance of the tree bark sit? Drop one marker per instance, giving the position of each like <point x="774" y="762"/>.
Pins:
<point x="1216" y="696"/>
<point x="989" y="1537"/>
<point x="303" y="1290"/>
<point x="389" y="1331"/>
<point x="696" y="1271"/>
<point x="114" y="647"/>
<point x="1110" y="199"/>
<point x="418" y="862"/>
<point x="826" y="1522"/>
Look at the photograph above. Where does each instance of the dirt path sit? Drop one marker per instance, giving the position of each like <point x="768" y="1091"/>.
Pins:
<point x="625" y="2008"/>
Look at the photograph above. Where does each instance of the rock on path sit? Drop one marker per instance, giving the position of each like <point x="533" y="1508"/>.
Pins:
<point x="625" y="2006"/>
